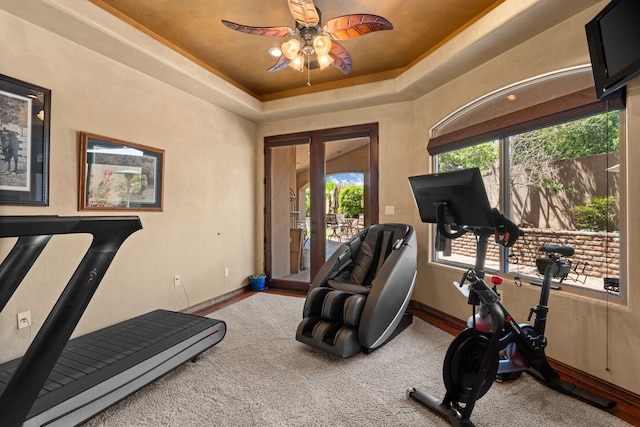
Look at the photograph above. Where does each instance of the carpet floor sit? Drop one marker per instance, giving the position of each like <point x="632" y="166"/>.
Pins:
<point x="259" y="375"/>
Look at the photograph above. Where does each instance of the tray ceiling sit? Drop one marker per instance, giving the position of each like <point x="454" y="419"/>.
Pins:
<point x="194" y="29"/>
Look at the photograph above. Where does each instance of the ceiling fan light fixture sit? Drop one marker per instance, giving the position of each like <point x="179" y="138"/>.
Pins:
<point x="310" y="37"/>
<point x="290" y="48"/>
<point x="324" y="61"/>
<point x="297" y="63"/>
<point x="322" y="45"/>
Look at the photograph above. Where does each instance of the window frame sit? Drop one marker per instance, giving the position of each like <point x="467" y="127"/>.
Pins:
<point x="571" y="107"/>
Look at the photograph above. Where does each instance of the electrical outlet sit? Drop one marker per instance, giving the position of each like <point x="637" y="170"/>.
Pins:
<point x="177" y="280"/>
<point x="24" y="319"/>
<point x="226" y="272"/>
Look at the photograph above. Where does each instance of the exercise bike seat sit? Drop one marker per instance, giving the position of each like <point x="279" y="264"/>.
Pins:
<point x="558" y="249"/>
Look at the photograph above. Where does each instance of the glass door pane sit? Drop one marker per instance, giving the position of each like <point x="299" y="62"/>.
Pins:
<point x="347" y="183"/>
<point x="289" y="220"/>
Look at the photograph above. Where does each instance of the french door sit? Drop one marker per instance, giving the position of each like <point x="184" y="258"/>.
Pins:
<point x="298" y="200"/>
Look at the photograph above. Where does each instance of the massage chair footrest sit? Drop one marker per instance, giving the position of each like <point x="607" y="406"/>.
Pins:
<point x="331" y="337"/>
<point x="335" y="306"/>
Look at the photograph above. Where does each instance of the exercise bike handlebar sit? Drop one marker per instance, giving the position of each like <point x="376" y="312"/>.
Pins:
<point x="506" y="232"/>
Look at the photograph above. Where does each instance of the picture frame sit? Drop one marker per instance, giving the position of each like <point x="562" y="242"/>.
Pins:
<point x="117" y="175"/>
<point x="25" y="117"/>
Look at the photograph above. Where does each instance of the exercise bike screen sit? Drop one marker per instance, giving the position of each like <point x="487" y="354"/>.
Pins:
<point x="463" y="192"/>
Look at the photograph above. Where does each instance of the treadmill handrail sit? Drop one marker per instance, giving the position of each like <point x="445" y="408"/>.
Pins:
<point x="34" y="233"/>
<point x="16" y="226"/>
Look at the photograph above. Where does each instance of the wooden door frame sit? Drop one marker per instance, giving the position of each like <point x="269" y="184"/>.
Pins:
<point x="316" y="140"/>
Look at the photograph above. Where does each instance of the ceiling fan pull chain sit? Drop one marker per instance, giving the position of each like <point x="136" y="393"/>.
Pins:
<point x="308" y="70"/>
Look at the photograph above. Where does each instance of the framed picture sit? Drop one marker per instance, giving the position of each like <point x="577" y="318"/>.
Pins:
<point x="119" y="175"/>
<point x="24" y="134"/>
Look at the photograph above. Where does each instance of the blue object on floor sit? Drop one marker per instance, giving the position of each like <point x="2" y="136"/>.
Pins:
<point x="257" y="283"/>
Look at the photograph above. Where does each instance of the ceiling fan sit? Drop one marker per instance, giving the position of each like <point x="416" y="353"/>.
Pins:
<point x="310" y="37"/>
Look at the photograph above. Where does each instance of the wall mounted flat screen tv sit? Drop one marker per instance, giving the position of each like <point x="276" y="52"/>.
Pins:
<point x="613" y="37"/>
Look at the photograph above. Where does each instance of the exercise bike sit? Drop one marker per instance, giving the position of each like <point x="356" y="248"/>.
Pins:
<point x="494" y="343"/>
<point x="554" y="265"/>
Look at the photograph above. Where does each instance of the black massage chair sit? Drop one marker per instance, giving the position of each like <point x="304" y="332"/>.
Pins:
<point x="358" y="300"/>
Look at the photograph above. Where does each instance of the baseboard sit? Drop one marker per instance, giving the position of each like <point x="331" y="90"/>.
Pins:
<point x="582" y="378"/>
<point x="287" y="285"/>
<point x="628" y="402"/>
<point x="438" y="318"/>
<point x="208" y="306"/>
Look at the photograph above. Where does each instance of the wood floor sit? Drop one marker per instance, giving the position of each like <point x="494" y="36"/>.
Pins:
<point x="627" y="409"/>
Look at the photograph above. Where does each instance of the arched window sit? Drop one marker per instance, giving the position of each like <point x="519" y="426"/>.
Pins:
<point x="549" y="151"/>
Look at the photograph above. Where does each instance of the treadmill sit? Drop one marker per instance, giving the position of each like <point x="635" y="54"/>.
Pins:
<point x="62" y="382"/>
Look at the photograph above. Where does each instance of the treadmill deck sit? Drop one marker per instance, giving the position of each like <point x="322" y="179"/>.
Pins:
<point x="100" y="368"/>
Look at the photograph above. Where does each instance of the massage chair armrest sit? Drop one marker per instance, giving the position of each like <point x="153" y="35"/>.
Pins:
<point x="390" y="294"/>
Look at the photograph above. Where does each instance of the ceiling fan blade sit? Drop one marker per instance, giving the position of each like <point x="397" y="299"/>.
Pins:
<point x="283" y="62"/>
<point x="259" y="31"/>
<point x="341" y="58"/>
<point x="304" y="12"/>
<point x="350" y="26"/>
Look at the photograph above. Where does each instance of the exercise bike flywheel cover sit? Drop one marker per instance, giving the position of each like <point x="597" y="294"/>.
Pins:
<point x="462" y="364"/>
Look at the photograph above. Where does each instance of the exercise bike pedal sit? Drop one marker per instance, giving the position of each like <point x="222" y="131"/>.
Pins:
<point x="463" y="289"/>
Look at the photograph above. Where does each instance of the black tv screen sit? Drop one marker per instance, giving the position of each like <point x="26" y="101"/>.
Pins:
<point x="463" y="192"/>
<point x="613" y="37"/>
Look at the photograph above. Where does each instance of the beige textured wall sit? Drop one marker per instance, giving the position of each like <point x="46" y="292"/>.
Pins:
<point x="208" y="221"/>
